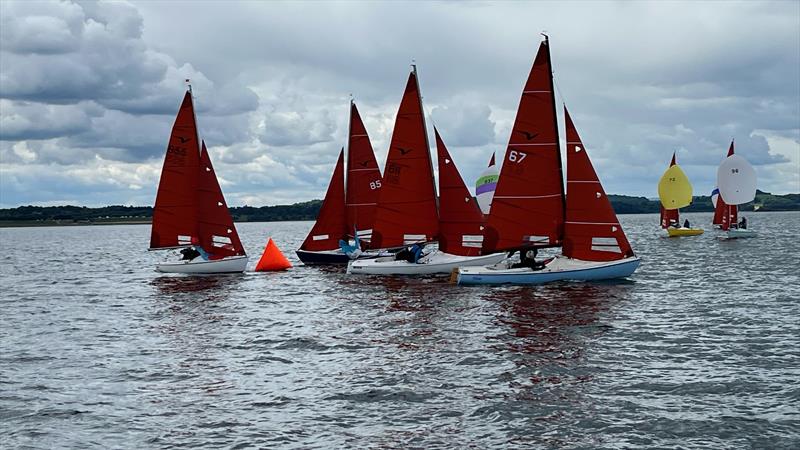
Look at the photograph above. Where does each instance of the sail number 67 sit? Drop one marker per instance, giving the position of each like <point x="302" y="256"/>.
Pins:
<point x="516" y="157"/>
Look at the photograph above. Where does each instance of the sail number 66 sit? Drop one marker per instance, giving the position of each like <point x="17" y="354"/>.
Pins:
<point x="516" y="157"/>
<point x="375" y="184"/>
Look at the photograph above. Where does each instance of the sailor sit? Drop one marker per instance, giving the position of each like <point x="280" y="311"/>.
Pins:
<point x="674" y="223"/>
<point x="686" y="224"/>
<point x="190" y="253"/>
<point x="410" y="254"/>
<point x="743" y="223"/>
<point x="527" y="258"/>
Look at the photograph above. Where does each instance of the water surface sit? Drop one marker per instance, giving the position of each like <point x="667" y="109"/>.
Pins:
<point x="699" y="349"/>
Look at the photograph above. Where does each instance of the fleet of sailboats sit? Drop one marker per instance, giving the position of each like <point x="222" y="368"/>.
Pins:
<point x="395" y="222"/>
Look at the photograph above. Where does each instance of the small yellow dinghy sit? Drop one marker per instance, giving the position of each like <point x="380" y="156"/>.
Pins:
<point x="675" y="191"/>
<point x="677" y="232"/>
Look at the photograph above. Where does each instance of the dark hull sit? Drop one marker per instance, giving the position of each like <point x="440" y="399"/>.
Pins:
<point x="322" y="257"/>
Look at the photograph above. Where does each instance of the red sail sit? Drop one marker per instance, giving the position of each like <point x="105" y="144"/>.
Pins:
<point x="363" y="177"/>
<point x="175" y="211"/>
<point x="725" y="214"/>
<point x="406" y="210"/>
<point x="528" y="204"/>
<point x="592" y="231"/>
<point x="331" y="224"/>
<point x="669" y="215"/>
<point x="216" y="230"/>
<point x="460" y="218"/>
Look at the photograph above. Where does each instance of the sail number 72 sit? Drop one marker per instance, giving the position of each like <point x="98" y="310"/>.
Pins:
<point x="516" y="157"/>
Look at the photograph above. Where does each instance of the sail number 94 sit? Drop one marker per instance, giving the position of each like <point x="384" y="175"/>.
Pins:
<point x="516" y="157"/>
<point x="375" y="184"/>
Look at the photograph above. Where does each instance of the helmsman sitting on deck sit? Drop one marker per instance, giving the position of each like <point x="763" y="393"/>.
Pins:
<point x="190" y="253"/>
<point x="527" y="258"/>
<point x="411" y="254"/>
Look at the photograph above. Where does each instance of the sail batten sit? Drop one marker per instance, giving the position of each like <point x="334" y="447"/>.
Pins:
<point x="529" y="197"/>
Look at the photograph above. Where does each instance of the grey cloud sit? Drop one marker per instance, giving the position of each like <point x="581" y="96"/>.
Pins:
<point x="467" y="124"/>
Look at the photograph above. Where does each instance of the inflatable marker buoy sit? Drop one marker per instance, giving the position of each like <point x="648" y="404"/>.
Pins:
<point x="272" y="259"/>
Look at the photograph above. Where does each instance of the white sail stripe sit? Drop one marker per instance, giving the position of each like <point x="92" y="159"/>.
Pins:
<point x="575" y="142"/>
<point x="527" y="196"/>
<point x="592" y="223"/>
<point x="320" y="237"/>
<point x="358" y="135"/>
<point x="361" y="170"/>
<point x="583" y="181"/>
<point x="360" y="204"/>
<point x="536" y="92"/>
<point x="528" y="145"/>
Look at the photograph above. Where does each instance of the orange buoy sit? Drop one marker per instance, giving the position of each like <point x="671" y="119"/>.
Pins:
<point x="272" y="259"/>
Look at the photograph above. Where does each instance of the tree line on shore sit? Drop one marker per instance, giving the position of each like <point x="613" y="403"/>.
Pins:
<point x="623" y="204"/>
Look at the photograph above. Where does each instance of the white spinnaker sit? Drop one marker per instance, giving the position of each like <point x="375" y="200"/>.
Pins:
<point x="736" y="179"/>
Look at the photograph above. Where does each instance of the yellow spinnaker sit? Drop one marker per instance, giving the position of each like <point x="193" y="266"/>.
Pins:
<point x="674" y="188"/>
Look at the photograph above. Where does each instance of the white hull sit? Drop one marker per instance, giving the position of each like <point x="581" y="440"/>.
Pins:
<point x="740" y="233"/>
<point x="559" y="269"/>
<point x="434" y="263"/>
<point x="199" y="265"/>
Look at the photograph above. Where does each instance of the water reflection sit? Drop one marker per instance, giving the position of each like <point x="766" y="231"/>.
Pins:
<point x="551" y="328"/>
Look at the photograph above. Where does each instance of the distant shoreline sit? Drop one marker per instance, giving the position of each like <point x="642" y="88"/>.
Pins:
<point x="68" y="215"/>
<point x="66" y="223"/>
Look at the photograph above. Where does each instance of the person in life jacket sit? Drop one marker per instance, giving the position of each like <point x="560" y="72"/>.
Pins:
<point x="743" y="223"/>
<point x="411" y="254"/>
<point x="190" y="253"/>
<point x="527" y="258"/>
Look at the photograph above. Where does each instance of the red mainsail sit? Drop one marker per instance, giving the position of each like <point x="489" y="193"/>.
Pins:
<point x="331" y="224"/>
<point x="669" y="215"/>
<point x="215" y="226"/>
<point x="460" y="218"/>
<point x="592" y="231"/>
<point x="175" y="211"/>
<point x="725" y="214"/>
<point x="363" y="177"/>
<point x="407" y="210"/>
<point x="528" y="204"/>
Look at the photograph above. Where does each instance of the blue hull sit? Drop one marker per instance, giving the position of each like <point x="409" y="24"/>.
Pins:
<point x="607" y="272"/>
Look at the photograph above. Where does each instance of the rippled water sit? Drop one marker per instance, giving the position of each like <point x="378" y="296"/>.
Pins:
<point x="700" y="349"/>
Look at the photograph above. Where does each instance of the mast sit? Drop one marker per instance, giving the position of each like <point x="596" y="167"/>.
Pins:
<point x="425" y="129"/>
<point x="346" y="155"/>
<point x="555" y="125"/>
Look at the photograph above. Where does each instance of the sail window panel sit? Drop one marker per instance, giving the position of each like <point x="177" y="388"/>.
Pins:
<point x="321" y="237"/>
<point x="605" y="244"/>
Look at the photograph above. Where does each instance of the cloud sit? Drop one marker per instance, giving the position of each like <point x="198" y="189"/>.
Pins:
<point x="97" y="84"/>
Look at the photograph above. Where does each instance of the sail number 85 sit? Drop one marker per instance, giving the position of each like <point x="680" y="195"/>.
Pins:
<point x="516" y="157"/>
<point x="375" y="184"/>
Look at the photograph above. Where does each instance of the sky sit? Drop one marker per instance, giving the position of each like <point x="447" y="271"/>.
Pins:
<point x="89" y="90"/>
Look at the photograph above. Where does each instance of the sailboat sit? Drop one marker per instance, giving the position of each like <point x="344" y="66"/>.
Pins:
<point x="530" y="209"/>
<point x="675" y="191"/>
<point x="407" y="211"/>
<point x="190" y="210"/>
<point x="485" y="186"/>
<point x="724" y="214"/>
<point x="349" y="205"/>
<point x="736" y="179"/>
